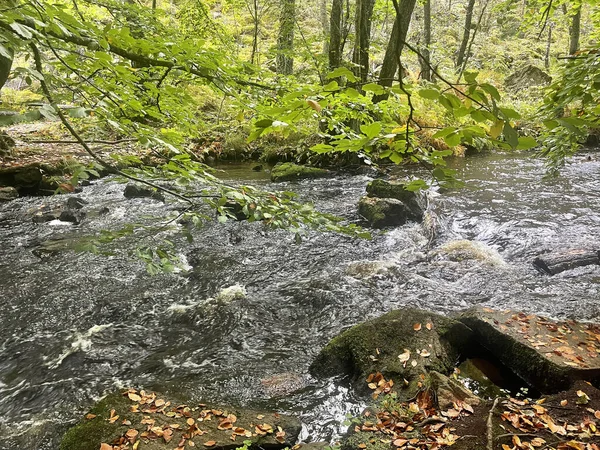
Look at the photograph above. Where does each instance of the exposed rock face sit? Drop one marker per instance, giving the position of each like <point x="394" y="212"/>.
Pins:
<point x="450" y="391"/>
<point x="291" y="172"/>
<point x="161" y="424"/>
<point x="401" y="344"/>
<point x="8" y="193"/>
<point x="527" y="76"/>
<point x="548" y="355"/>
<point x="135" y="191"/>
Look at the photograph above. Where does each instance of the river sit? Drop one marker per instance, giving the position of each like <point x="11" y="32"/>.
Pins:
<point x="76" y="325"/>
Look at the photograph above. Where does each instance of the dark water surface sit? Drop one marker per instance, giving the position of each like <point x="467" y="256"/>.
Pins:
<point x="76" y="326"/>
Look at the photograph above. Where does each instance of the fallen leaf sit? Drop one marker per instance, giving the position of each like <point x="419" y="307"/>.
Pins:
<point x="417" y="327"/>
<point x="429" y="326"/>
<point x="209" y="444"/>
<point x="190" y="421"/>
<point x="104" y="446"/>
<point x="90" y="416"/>
<point x="564" y="403"/>
<point x="159" y="403"/>
<point x="134" y="397"/>
<point x="404" y="357"/>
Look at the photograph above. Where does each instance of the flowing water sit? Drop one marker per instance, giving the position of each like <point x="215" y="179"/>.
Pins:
<point x="76" y="326"/>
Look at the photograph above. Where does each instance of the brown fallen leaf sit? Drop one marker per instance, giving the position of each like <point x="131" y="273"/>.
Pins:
<point x="429" y="326"/>
<point x="159" y="402"/>
<point x="417" y="327"/>
<point x="209" y="444"/>
<point x="134" y="397"/>
<point x="564" y="402"/>
<point x="90" y="416"/>
<point x="190" y="421"/>
<point x="104" y="446"/>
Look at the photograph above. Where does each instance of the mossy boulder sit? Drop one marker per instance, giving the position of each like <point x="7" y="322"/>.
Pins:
<point x="549" y="355"/>
<point x="291" y="172"/>
<point x="8" y="193"/>
<point x="527" y="76"/>
<point x="384" y="212"/>
<point x="426" y="341"/>
<point x="395" y="189"/>
<point x="161" y="424"/>
<point x="133" y="190"/>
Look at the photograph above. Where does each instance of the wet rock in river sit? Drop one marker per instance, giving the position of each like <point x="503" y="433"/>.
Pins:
<point x="465" y="250"/>
<point x="549" y="355"/>
<point x="76" y="203"/>
<point x="395" y="189"/>
<point x="72" y="216"/>
<point x="133" y="190"/>
<point x="160" y="423"/>
<point x="8" y="193"/>
<point x="291" y="172"/>
<point x="384" y="212"/>
<point x="401" y="344"/>
<point x="284" y="383"/>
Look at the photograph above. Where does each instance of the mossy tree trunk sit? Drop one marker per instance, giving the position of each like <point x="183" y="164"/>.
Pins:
<point x="362" y="40"/>
<point x="395" y="45"/>
<point x="575" y="31"/>
<point x="426" y="60"/>
<point x="335" y="34"/>
<point x="5" y="65"/>
<point x="285" y="41"/>
<point x="466" y="34"/>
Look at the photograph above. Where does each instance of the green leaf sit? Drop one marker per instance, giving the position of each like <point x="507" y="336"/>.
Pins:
<point x="491" y="90"/>
<point x="371" y="130"/>
<point x="430" y="94"/>
<point x="341" y="72"/>
<point x="263" y="123"/>
<point x="444" y="132"/>
<point x="331" y="86"/>
<point x="453" y="139"/>
<point x="396" y="157"/>
<point x="526" y="142"/>
<point x="510" y="113"/>
<point x="470" y="77"/>
<point x="374" y="88"/>
<point x="511" y="136"/>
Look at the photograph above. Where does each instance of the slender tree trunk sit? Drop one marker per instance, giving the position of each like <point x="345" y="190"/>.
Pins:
<point x="362" y="31"/>
<point x="285" y="42"/>
<point x="5" y="65"/>
<point x="574" y="32"/>
<point x="466" y="34"/>
<point x="324" y="19"/>
<point x="396" y="44"/>
<point x="254" y="31"/>
<point x="548" y="44"/>
<point x="426" y="63"/>
<point x="335" y="34"/>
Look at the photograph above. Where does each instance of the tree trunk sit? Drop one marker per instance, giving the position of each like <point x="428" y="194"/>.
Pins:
<point x="426" y="63"/>
<point x="335" y="34"/>
<point x="554" y="263"/>
<point x="396" y="44"/>
<point x="254" y="31"/>
<point x="285" y="42"/>
<point x="466" y="34"/>
<point x="574" y="31"/>
<point x="324" y="19"/>
<point x="5" y="65"/>
<point x="362" y="32"/>
<point x="548" y="45"/>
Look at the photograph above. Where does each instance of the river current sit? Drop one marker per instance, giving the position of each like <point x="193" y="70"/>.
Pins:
<point x="255" y="304"/>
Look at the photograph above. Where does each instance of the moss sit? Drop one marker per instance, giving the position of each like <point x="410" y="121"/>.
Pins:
<point x="374" y="346"/>
<point x="291" y="171"/>
<point x="387" y="189"/>
<point x="89" y="434"/>
<point x="366" y="441"/>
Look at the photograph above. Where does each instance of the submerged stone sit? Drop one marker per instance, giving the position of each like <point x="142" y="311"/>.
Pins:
<point x="159" y="423"/>
<point x="291" y="171"/>
<point x="401" y="344"/>
<point x="549" y="355"/>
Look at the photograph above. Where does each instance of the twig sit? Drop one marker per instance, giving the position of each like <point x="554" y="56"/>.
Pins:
<point x="38" y="66"/>
<point x="94" y="141"/>
<point x="490" y="426"/>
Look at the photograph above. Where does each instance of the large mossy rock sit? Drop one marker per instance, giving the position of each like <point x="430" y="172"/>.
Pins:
<point x="384" y="212"/>
<point x="161" y="424"/>
<point x="433" y="342"/>
<point x="547" y="354"/>
<point x="527" y="76"/>
<point x="397" y="190"/>
<point x="291" y="172"/>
